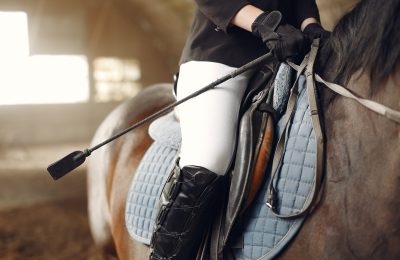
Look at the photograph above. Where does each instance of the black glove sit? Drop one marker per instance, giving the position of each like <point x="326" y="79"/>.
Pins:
<point x="315" y="30"/>
<point x="284" y="40"/>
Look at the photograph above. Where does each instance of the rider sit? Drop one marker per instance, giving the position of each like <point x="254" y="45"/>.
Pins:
<point x="224" y="36"/>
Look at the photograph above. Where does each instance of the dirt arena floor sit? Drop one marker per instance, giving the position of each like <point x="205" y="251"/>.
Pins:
<point x="56" y="230"/>
<point x="44" y="219"/>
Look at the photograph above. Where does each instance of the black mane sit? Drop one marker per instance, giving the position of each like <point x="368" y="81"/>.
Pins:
<point x="366" y="39"/>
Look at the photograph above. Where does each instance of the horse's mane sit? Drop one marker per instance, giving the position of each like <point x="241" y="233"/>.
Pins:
<point x="366" y="39"/>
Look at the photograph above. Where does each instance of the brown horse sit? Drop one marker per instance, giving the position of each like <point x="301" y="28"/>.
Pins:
<point x="358" y="216"/>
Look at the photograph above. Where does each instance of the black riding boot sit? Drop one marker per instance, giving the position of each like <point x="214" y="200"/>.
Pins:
<point x="185" y="211"/>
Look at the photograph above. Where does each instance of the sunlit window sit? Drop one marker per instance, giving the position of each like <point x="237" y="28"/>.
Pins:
<point x="41" y="79"/>
<point x="116" y="79"/>
<point x="37" y="79"/>
<point x="14" y="42"/>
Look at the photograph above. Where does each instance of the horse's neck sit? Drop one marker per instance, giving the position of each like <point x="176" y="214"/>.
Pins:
<point x="362" y="168"/>
<point x="386" y="93"/>
<point x="361" y="143"/>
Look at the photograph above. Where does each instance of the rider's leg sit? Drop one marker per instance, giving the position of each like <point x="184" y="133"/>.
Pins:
<point x="208" y="125"/>
<point x="209" y="121"/>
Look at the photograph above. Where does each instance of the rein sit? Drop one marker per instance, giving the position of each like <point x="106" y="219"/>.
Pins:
<point x="271" y="201"/>
<point x="385" y="111"/>
<point x="389" y="113"/>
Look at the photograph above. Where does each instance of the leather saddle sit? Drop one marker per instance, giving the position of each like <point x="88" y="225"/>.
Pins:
<point x="253" y="150"/>
<point x="254" y="147"/>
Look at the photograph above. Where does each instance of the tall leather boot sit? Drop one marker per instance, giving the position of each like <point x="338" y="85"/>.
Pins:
<point x="185" y="212"/>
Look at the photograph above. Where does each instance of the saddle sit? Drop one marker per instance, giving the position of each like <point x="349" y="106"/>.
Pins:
<point x="254" y="151"/>
<point x="261" y="120"/>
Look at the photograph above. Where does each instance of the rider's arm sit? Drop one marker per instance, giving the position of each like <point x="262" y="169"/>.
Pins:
<point x="242" y="13"/>
<point x="245" y="17"/>
<point x="308" y="21"/>
<point x="220" y="12"/>
<point x="306" y="12"/>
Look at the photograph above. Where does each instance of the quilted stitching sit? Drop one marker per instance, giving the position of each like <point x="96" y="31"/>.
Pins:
<point x="145" y="189"/>
<point x="264" y="234"/>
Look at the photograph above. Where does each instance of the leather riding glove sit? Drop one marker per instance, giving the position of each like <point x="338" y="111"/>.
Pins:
<point x="315" y="30"/>
<point x="284" y="40"/>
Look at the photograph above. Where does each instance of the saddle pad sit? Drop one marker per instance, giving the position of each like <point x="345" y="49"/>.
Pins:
<point x="166" y="130"/>
<point x="265" y="235"/>
<point x="282" y="85"/>
<point x="143" y="195"/>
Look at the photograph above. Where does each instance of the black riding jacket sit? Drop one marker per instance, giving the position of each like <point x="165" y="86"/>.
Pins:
<point x="212" y="38"/>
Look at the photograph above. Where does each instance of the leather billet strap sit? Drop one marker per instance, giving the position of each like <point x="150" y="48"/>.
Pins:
<point x="271" y="200"/>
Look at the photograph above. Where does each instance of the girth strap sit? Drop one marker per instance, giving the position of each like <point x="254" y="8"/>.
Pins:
<point x="271" y="202"/>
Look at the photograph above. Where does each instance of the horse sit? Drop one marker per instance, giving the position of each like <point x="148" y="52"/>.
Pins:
<point x="357" y="215"/>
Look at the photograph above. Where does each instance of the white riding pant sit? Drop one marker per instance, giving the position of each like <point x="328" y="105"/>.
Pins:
<point x="209" y="121"/>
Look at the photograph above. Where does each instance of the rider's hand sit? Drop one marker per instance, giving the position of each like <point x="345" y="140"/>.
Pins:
<point x="284" y="40"/>
<point x="315" y="30"/>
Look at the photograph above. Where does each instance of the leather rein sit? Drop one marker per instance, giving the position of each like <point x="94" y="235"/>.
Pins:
<point x="385" y="111"/>
<point x="311" y="77"/>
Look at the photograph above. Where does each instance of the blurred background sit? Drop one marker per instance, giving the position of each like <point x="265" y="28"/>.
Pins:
<point x="64" y="65"/>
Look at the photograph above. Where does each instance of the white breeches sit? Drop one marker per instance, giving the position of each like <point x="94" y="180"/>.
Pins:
<point x="209" y="121"/>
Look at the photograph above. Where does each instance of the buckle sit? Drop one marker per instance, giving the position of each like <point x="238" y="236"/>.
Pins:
<point x="271" y="199"/>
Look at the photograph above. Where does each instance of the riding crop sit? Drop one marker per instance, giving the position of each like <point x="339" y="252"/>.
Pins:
<point x="73" y="160"/>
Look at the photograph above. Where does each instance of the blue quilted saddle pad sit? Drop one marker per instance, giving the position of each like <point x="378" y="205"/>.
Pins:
<point x="152" y="173"/>
<point x="262" y="234"/>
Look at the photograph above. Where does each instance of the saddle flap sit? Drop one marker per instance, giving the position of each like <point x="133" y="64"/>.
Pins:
<point x="255" y="142"/>
<point x="255" y="124"/>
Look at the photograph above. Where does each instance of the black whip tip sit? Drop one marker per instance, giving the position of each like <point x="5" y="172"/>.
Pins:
<point x="65" y="165"/>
